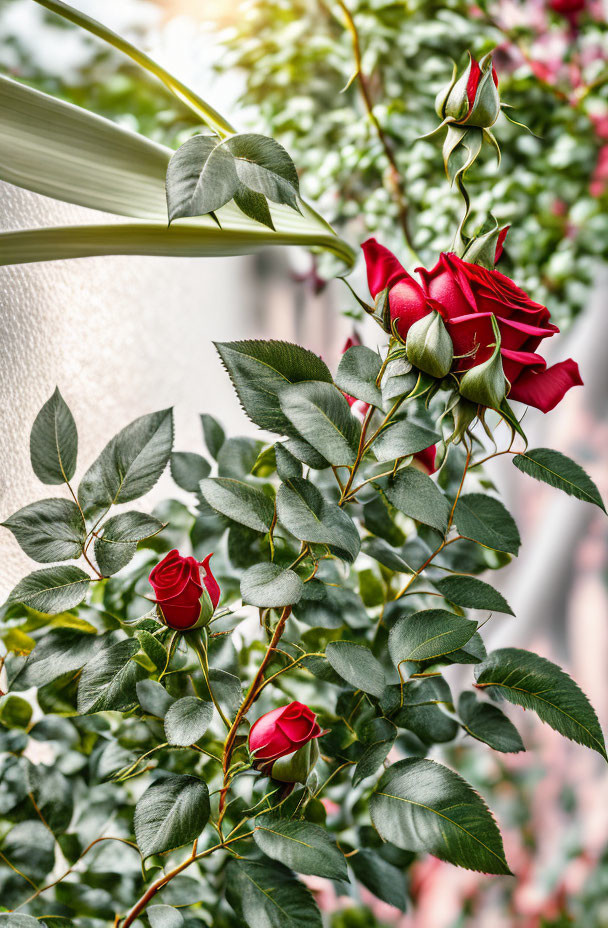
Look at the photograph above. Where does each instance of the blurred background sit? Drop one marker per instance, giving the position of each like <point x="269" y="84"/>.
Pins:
<point x="122" y="336"/>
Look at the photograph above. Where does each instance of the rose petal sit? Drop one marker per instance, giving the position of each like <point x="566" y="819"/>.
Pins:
<point x="427" y="459"/>
<point x="210" y="583"/>
<point x="383" y="268"/>
<point x="546" y="389"/>
<point x="449" y="286"/>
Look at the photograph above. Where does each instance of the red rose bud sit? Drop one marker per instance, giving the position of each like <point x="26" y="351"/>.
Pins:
<point x="296" y="767"/>
<point x="184" y="601"/>
<point x="429" y="347"/>
<point x="473" y="98"/>
<point x="467" y="296"/>
<point x="281" y="732"/>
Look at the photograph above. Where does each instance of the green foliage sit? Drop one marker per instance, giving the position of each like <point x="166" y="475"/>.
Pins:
<point x="172" y="812"/>
<point x="268" y="894"/>
<point x="420" y="805"/>
<point x="487" y="723"/>
<point x="267" y="585"/>
<point x="535" y="683"/>
<point x="129" y="465"/>
<point x="54" y="442"/>
<point x="187" y="720"/>
<point x="485" y="520"/>
<point x="427" y="635"/>
<point x="304" y="847"/>
<point x="559" y="471"/>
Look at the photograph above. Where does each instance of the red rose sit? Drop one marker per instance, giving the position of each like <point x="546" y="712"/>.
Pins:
<point x="283" y="731"/>
<point x="425" y="458"/>
<point x="178" y="589"/>
<point x="467" y="296"/>
<point x="568" y="7"/>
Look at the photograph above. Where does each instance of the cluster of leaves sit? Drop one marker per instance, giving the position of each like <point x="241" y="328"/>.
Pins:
<point x="205" y="173"/>
<point x="365" y="564"/>
<point x="297" y="59"/>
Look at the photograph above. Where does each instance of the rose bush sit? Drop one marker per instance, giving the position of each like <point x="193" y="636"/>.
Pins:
<point x="467" y="297"/>
<point x="347" y="574"/>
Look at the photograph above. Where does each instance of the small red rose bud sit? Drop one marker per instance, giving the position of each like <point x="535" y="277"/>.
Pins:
<point x="473" y="99"/>
<point x="281" y="732"/>
<point x="184" y="602"/>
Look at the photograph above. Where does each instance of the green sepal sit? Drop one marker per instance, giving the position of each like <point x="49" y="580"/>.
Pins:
<point x="486" y="384"/>
<point x="429" y="346"/>
<point x="296" y="767"/>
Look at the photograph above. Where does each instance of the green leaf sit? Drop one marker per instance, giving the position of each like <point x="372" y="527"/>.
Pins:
<point x="121" y="533"/>
<point x="378" y="743"/>
<point x="164" y="916"/>
<point x="266" y="895"/>
<point x="402" y="438"/>
<point x="321" y="415"/>
<point x="184" y="171"/>
<point x="382" y="879"/>
<point x="488" y="724"/>
<point x="356" y="664"/>
<point x="30" y="847"/>
<point x="49" y="530"/>
<point x="426" y="635"/>
<point x="213" y="434"/>
<point x="420" y="805"/>
<point x="533" y="682"/>
<point x="59" y="651"/>
<point x="53" y="794"/>
<point x="238" y="501"/>
<point x="254" y="205"/>
<point x="129" y="465"/>
<point x="306" y="453"/>
<point x="287" y="465"/>
<point x="559" y="471"/>
<point x="304" y="847"/>
<point x="253" y="161"/>
<point x="259" y="370"/>
<point x="152" y="647"/>
<point x="19" y="921"/>
<point x="305" y="512"/>
<point x="419" y="709"/>
<point x="109" y="679"/>
<point x="172" y="812"/>
<point x="188" y="469"/>
<point x="415" y="494"/>
<point x="473" y="593"/>
<point x="357" y="373"/>
<point x="15" y="712"/>
<point x="237" y="457"/>
<point x="54" y="441"/>
<point x="269" y="586"/>
<point x="52" y="590"/>
<point x="485" y="520"/>
<point x="187" y="720"/>
<point x="153" y="698"/>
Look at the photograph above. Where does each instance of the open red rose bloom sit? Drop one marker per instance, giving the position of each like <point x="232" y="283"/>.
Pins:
<point x="467" y="296"/>
<point x="178" y="588"/>
<point x="283" y="731"/>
